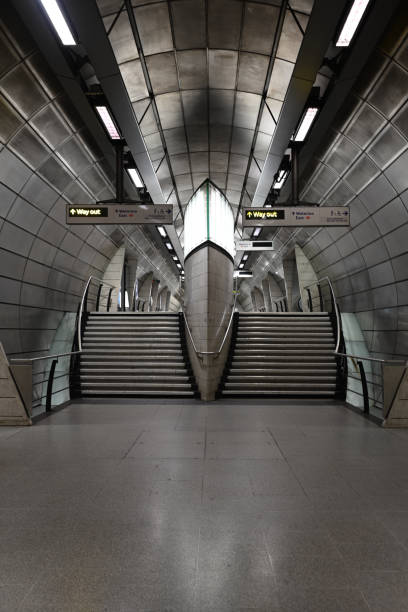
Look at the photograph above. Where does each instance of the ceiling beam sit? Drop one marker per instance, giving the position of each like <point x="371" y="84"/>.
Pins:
<point x="319" y="32"/>
<point x="88" y="23"/>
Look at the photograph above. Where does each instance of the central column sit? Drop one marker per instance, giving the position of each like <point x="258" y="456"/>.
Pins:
<point x="209" y="268"/>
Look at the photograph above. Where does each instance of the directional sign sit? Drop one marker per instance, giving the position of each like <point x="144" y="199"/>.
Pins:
<point x="297" y="216"/>
<point x="254" y="245"/>
<point x="112" y="213"/>
<point x="242" y="274"/>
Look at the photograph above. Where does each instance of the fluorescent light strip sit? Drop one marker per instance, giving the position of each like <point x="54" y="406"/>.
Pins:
<point x="282" y="176"/>
<point x="175" y="257"/>
<point x="169" y="246"/>
<point x="162" y="231"/>
<point x="245" y="257"/>
<point x="256" y="231"/>
<point x="306" y="123"/>
<point x="58" y="21"/>
<point x="351" y="24"/>
<point x="178" y="265"/>
<point x="241" y="265"/>
<point x="134" y="175"/>
<point x="108" y="122"/>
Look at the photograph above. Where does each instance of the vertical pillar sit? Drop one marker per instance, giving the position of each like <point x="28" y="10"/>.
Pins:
<point x="208" y="301"/>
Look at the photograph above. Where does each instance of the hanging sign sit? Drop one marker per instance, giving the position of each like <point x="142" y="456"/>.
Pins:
<point x="254" y="245"/>
<point x="112" y="213"/>
<point x="297" y="216"/>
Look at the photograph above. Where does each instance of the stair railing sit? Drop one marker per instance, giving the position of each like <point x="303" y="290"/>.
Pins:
<point x="340" y="347"/>
<point x="281" y="304"/>
<point x="200" y="354"/>
<point x="83" y="307"/>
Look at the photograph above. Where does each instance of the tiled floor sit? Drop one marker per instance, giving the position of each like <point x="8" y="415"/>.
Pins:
<point x="190" y="507"/>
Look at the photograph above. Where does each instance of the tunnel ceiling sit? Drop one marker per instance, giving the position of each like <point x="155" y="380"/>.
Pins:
<point x="207" y="81"/>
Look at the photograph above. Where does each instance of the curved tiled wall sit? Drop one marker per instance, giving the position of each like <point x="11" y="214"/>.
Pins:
<point x="363" y="163"/>
<point x="48" y="158"/>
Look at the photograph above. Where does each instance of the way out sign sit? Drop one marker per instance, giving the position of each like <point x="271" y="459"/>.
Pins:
<point x="112" y="213"/>
<point x="297" y="216"/>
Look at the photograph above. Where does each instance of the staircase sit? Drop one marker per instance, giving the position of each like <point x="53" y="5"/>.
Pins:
<point x="134" y="354"/>
<point x="281" y="354"/>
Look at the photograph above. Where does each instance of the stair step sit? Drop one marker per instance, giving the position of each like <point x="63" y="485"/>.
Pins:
<point x="272" y="378"/>
<point x="270" y="371"/>
<point x="135" y="385"/>
<point x="255" y="315"/>
<point x="278" y="393"/>
<point x="113" y="344"/>
<point x="285" y="337"/>
<point x="142" y="371"/>
<point x="108" y="377"/>
<point x="278" y="385"/>
<point x="138" y="392"/>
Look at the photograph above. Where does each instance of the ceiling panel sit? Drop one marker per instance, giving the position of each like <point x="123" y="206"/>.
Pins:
<point x="189" y="23"/>
<point x="153" y="24"/>
<point x="208" y="63"/>
<point x="192" y="67"/>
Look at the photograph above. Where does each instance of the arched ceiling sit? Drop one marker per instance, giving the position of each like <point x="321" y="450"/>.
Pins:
<point x="207" y="81"/>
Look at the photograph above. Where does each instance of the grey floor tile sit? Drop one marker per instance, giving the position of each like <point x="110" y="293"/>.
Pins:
<point x="12" y="595"/>
<point x="385" y="590"/>
<point x="183" y="506"/>
<point x="320" y="600"/>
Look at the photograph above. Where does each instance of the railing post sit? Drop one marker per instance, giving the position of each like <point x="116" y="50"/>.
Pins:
<point x="366" y="409"/>
<point x="309" y="299"/>
<point x="320" y="297"/>
<point x="49" y="386"/>
<point x="98" y="297"/>
<point x="285" y="301"/>
<point x="109" y="299"/>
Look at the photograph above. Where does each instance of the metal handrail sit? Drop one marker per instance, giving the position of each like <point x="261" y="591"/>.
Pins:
<point x="394" y="361"/>
<point x="81" y="308"/>
<point x="29" y="360"/>
<point x="199" y="353"/>
<point x="336" y="307"/>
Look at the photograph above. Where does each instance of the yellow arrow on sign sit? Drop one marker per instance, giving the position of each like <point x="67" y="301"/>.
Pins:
<point x="249" y="214"/>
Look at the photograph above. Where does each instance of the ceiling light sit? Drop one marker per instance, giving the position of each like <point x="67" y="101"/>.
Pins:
<point x="351" y="24"/>
<point x="108" y="122"/>
<point x="256" y="232"/>
<point x="169" y="246"/>
<point x="280" y="179"/>
<point x="245" y="257"/>
<point x="134" y="175"/>
<point x="241" y="265"/>
<point x="162" y="231"/>
<point x="58" y="21"/>
<point x="306" y="123"/>
<point x="178" y="265"/>
<point x="175" y="257"/>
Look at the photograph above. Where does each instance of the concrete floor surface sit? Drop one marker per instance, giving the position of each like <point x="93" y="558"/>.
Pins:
<point x="182" y="506"/>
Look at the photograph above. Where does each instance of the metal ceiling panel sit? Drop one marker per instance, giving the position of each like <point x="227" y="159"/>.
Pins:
<point x="192" y="68"/>
<point x="132" y="74"/>
<point x="195" y="105"/>
<point x="189" y="23"/>
<point x="121" y="39"/>
<point x="259" y="24"/>
<point x="246" y="110"/>
<point x="163" y="72"/>
<point x="221" y="107"/>
<point x="153" y="23"/>
<point x="222" y="68"/>
<point x="252" y="72"/>
<point x="221" y="12"/>
<point x="170" y="110"/>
